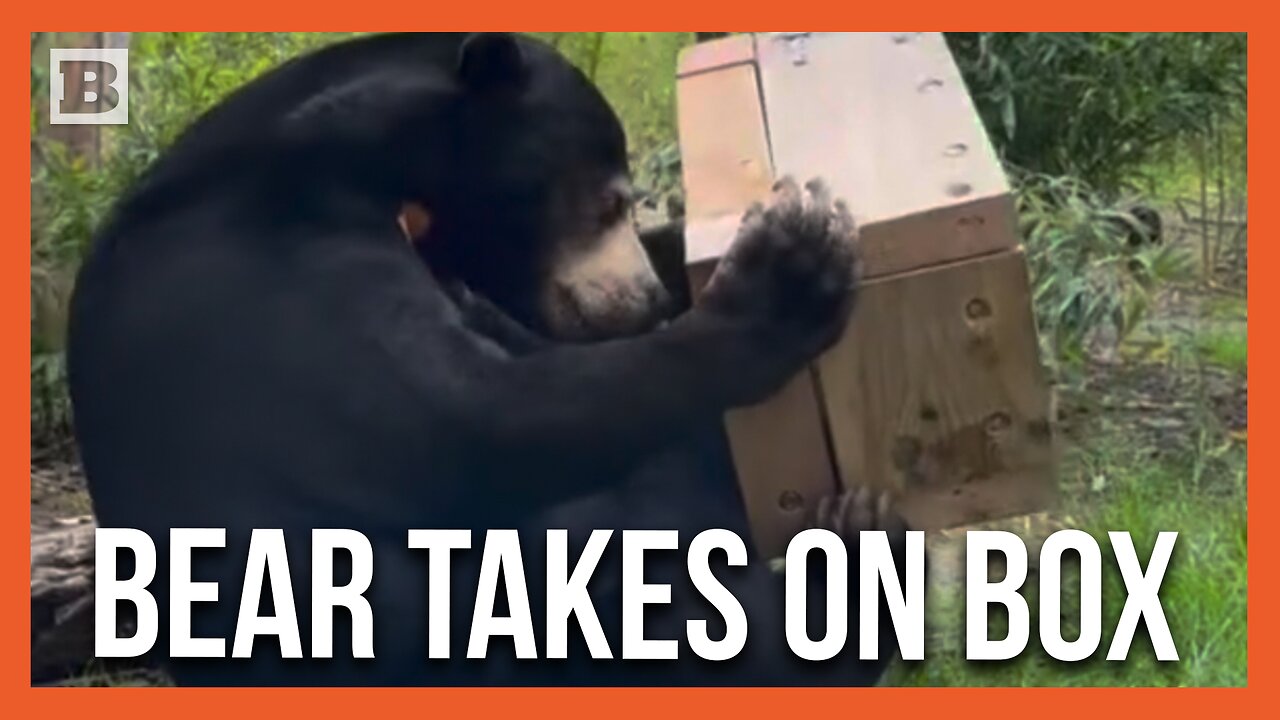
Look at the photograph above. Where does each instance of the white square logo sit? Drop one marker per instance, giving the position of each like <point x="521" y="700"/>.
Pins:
<point x="89" y="86"/>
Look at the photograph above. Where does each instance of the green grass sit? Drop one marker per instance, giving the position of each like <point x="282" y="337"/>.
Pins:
<point x="1228" y="350"/>
<point x="1223" y="336"/>
<point x="1203" y="595"/>
<point x="1227" y="307"/>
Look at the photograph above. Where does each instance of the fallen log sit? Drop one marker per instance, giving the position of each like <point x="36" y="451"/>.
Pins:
<point x="61" y="596"/>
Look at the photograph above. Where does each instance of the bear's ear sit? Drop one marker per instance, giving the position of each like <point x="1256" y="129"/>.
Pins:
<point x="491" y="61"/>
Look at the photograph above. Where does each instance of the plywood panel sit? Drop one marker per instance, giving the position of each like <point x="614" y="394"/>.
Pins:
<point x="779" y="447"/>
<point x="706" y="56"/>
<point x="885" y="118"/>
<point x="937" y="390"/>
<point x="783" y="462"/>
<point x="725" y="156"/>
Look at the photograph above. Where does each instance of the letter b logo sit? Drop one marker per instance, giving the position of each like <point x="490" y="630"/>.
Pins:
<point x="89" y="86"/>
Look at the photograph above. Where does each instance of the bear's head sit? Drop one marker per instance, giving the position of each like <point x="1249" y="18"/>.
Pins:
<point x="536" y="211"/>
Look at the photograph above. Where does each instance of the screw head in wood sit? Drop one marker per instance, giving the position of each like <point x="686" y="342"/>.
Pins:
<point x="998" y="422"/>
<point x="977" y="308"/>
<point x="791" y="501"/>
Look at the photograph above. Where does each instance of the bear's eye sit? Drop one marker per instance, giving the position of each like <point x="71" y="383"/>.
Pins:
<point x="614" y="207"/>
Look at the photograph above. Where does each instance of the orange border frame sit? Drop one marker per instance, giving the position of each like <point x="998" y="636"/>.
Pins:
<point x="24" y="701"/>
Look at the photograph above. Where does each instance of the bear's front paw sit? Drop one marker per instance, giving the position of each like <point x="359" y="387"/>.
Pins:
<point x="791" y="271"/>
<point x="852" y="511"/>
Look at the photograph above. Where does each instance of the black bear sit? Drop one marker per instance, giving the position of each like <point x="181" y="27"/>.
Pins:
<point x="1148" y="228"/>
<point x="254" y="344"/>
<point x="1140" y="227"/>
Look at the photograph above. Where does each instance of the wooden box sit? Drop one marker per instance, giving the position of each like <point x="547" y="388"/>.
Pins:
<point x="936" y="388"/>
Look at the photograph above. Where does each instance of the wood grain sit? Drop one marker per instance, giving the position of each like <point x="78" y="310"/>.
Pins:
<point x="886" y="120"/>
<point x="937" y="388"/>
<point x="779" y="446"/>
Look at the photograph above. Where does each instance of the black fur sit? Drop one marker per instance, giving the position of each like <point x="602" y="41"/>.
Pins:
<point x="1149" y="229"/>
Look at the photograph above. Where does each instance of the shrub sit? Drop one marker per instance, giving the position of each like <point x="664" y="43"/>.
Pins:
<point x="1099" y="106"/>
